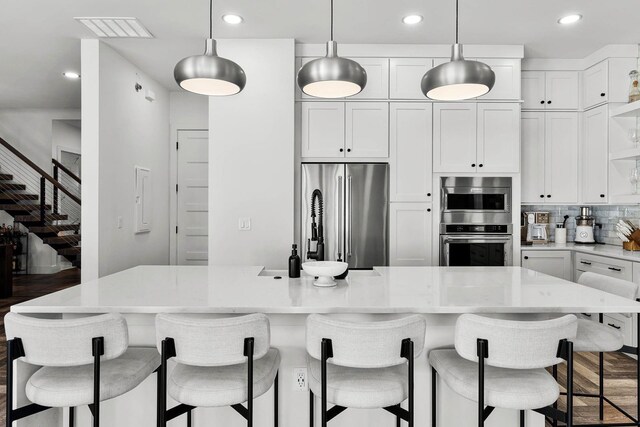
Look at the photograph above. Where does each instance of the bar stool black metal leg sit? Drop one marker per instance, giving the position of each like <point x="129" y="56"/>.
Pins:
<point x="189" y="419"/>
<point x="521" y="418"/>
<point x="275" y="401"/>
<point x="601" y="383"/>
<point x="569" y="384"/>
<point x="398" y="421"/>
<point x="434" y="400"/>
<point x="72" y="415"/>
<point x="311" y="399"/>
<point x="555" y="404"/>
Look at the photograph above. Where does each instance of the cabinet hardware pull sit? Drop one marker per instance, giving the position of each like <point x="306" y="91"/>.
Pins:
<point x="542" y="196"/>
<point x="615" y="269"/>
<point x="602" y="94"/>
<point x="348" y="150"/>
<point x="586" y="314"/>
<point x="428" y="194"/>
<point x="602" y="195"/>
<point x="548" y="102"/>
<point x="542" y="102"/>
<point x="548" y="195"/>
<point x="526" y="257"/>
<point x="480" y="165"/>
<point x="585" y="262"/>
<point x="473" y="165"/>
<point x="613" y="326"/>
<point x="428" y="209"/>
<point x="341" y="150"/>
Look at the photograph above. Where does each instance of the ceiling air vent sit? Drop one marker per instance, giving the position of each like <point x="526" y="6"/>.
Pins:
<point x="115" y="27"/>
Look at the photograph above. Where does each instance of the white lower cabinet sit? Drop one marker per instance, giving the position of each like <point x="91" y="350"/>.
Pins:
<point x="620" y="269"/>
<point x="410" y="234"/>
<point x="553" y="263"/>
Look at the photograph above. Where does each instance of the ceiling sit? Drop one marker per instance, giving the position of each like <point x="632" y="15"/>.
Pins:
<point x="41" y="40"/>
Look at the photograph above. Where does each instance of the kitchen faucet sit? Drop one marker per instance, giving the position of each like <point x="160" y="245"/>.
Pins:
<point x="317" y="231"/>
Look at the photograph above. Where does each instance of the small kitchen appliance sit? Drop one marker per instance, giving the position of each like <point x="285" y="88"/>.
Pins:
<point x="585" y="223"/>
<point x="538" y="227"/>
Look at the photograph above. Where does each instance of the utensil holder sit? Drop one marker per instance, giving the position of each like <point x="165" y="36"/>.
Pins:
<point x="630" y="246"/>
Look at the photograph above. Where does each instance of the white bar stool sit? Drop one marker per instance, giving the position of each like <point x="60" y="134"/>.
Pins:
<point x="363" y="365"/>
<point x="220" y="362"/>
<point x="84" y="361"/>
<point x="501" y="363"/>
<point x="597" y="337"/>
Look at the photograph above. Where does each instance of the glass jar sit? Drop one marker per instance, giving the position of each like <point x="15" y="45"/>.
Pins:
<point x="634" y="90"/>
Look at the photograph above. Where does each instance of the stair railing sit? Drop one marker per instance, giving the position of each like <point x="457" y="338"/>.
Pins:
<point x="49" y="188"/>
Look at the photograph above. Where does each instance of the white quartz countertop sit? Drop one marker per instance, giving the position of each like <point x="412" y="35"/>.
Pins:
<point x="611" y="251"/>
<point x="194" y="289"/>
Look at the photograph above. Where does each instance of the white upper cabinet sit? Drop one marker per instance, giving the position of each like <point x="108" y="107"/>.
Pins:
<point x="498" y="145"/>
<point x="410" y="234"/>
<point x="561" y="157"/>
<point x="532" y="131"/>
<point x="377" y="78"/>
<point x="550" y="90"/>
<point x="595" y="84"/>
<point x="367" y="129"/>
<point x="562" y="90"/>
<point x="405" y="77"/>
<point x="411" y="152"/>
<point x="507" y="73"/>
<point x="533" y="90"/>
<point x="322" y="129"/>
<point x="595" y="155"/>
<point x="454" y="137"/>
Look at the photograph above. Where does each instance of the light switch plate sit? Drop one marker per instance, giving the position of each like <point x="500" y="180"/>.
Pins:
<point x="244" y="224"/>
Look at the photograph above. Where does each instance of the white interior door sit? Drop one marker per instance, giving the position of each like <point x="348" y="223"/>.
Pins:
<point x="193" y="208"/>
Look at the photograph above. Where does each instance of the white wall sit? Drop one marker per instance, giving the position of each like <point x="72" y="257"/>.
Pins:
<point x="187" y="111"/>
<point x="251" y="157"/>
<point x="65" y="135"/>
<point x="121" y="129"/>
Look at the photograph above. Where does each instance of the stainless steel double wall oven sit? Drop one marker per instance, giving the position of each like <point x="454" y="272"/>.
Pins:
<point x="476" y="221"/>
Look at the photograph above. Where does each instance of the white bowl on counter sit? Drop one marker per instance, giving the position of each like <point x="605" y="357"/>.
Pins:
<point x="325" y="271"/>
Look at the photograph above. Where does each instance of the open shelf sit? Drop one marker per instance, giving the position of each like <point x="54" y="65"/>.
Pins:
<point x="629" y="110"/>
<point x="628" y="154"/>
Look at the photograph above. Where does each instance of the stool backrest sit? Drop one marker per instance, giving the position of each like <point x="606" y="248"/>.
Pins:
<point x="67" y="342"/>
<point x="365" y="344"/>
<point x="213" y="342"/>
<point x="612" y="285"/>
<point x="512" y="343"/>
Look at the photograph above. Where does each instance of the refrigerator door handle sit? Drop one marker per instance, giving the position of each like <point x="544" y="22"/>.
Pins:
<point x="340" y="216"/>
<point x="348" y="216"/>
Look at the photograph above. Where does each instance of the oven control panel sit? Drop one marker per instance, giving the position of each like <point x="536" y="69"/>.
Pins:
<point x="477" y="228"/>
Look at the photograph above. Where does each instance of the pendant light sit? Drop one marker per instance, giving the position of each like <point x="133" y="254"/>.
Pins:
<point x="209" y="74"/>
<point x="332" y="76"/>
<point x="458" y="79"/>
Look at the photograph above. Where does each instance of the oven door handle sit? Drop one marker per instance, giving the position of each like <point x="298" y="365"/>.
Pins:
<point x="480" y="239"/>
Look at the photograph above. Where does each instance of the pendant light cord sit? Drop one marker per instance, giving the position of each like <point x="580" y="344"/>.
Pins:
<point x="331" y="20"/>
<point x="210" y="19"/>
<point x="456" y="21"/>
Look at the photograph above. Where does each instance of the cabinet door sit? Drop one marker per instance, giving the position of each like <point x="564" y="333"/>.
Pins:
<point x="532" y="142"/>
<point x="322" y="129"/>
<point x="561" y="158"/>
<point x="411" y="155"/>
<point x="595" y="84"/>
<point x="367" y="129"/>
<point x="454" y="137"/>
<point x="507" y="73"/>
<point x="595" y="155"/>
<point x="498" y="148"/>
<point x="410" y="234"/>
<point x="405" y="76"/>
<point x="533" y="90"/>
<point x="553" y="263"/>
<point x="561" y="90"/>
<point x="377" y="78"/>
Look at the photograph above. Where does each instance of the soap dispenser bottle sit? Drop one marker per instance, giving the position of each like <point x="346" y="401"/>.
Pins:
<point x="294" y="262"/>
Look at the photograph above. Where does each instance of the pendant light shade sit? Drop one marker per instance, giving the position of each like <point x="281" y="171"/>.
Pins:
<point x="458" y="79"/>
<point x="332" y="76"/>
<point x="209" y="74"/>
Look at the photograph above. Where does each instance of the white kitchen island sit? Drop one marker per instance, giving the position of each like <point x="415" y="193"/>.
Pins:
<point x="437" y="292"/>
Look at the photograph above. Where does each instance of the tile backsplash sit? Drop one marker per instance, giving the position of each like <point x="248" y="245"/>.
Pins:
<point x="608" y="216"/>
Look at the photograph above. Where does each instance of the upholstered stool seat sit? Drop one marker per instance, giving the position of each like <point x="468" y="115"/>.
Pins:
<point x="595" y="336"/>
<point x="73" y="385"/>
<point x="504" y="388"/>
<point x="222" y="385"/>
<point x="360" y="388"/>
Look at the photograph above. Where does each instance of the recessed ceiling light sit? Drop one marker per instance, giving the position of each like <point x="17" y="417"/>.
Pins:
<point x="232" y="19"/>
<point x="569" y="19"/>
<point x="412" y="19"/>
<point x="71" y="75"/>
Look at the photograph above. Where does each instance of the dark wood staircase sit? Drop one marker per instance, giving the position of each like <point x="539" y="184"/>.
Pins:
<point x="41" y="213"/>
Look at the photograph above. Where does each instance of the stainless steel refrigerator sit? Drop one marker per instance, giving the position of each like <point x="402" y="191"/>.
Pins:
<point x="354" y="199"/>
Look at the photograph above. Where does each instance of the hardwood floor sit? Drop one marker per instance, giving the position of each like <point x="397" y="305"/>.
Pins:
<point x="620" y="370"/>
<point x="25" y="288"/>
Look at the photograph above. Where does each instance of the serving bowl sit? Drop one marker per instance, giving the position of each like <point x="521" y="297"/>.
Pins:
<point x="325" y="271"/>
